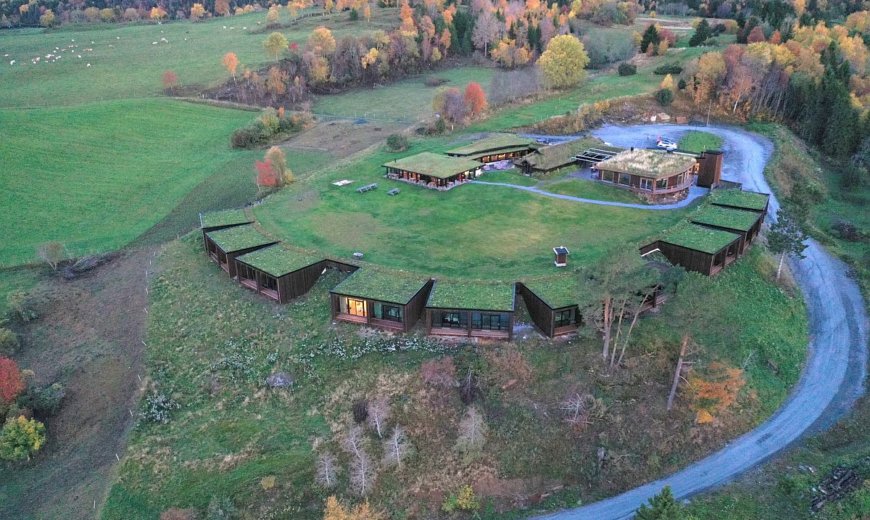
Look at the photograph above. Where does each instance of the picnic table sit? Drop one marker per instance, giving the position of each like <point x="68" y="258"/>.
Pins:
<point x="367" y="187"/>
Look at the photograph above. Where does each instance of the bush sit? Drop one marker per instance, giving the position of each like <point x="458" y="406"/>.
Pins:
<point x="21" y="307"/>
<point x="354" y="15"/>
<point x="8" y="342"/>
<point x="605" y="47"/>
<point x="668" y="68"/>
<point x="435" y="81"/>
<point x="20" y="438"/>
<point x="506" y="86"/>
<point x="43" y="401"/>
<point x="847" y="230"/>
<point x="627" y="69"/>
<point x="221" y="509"/>
<point x="397" y="143"/>
<point x="360" y="409"/>
<point x="267" y="127"/>
<point x="439" y="372"/>
<point x="462" y="500"/>
<point x="681" y="84"/>
<point x="158" y="408"/>
<point x="665" y="97"/>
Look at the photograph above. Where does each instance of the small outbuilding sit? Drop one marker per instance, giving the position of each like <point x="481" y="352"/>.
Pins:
<point x="697" y="248"/>
<point x="741" y="199"/>
<point x="655" y="176"/>
<point x="379" y="299"/>
<point x="496" y="147"/>
<point x="278" y="272"/>
<point x="561" y="253"/>
<point x="433" y="170"/>
<point x="552" y="304"/>
<point x="747" y="224"/>
<point x="224" y="245"/>
<point x="469" y="309"/>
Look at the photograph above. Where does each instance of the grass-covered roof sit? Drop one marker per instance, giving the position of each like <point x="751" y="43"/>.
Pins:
<point x="699" y="238"/>
<point x="434" y="164"/>
<point x="647" y="163"/>
<point x="385" y="286"/>
<point x="556" y="291"/>
<point x="740" y="199"/>
<point x="449" y="294"/>
<point x="493" y="143"/>
<point x="726" y="217"/>
<point x="562" y="154"/>
<point x="230" y="217"/>
<point x="278" y="260"/>
<point x="237" y="238"/>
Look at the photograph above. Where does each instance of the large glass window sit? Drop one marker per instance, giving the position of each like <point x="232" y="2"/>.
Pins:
<point x="646" y="184"/>
<point x="488" y="321"/>
<point x="661" y="184"/>
<point x="454" y="319"/>
<point x="624" y="179"/>
<point x="385" y="311"/>
<point x="565" y="317"/>
<point x="607" y="176"/>
<point x="355" y="307"/>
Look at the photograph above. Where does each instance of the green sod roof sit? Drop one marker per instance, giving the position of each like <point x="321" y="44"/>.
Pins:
<point x="381" y="285"/>
<point x="434" y="165"/>
<point x="230" y="217"/>
<point x="493" y="143"/>
<point x="562" y="154"/>
<point x="278" y="260"/>
<point x="699" y="238"/>
<point x="237" y="238"/>
<point x="556" y="291"/>
<point x="472" y="295"/>
<point x="647" y="163"/>
<point x="725" y="217"/>
<point x="740" y="199"/>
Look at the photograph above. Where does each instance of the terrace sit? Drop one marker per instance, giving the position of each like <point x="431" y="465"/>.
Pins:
<point x="549" y="158"/>
<point x="433" y="170"/>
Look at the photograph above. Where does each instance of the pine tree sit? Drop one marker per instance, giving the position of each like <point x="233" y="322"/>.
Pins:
<point x="650" y="36"/>
<point x="702" y="33"/>
<point x="661" y="507"/>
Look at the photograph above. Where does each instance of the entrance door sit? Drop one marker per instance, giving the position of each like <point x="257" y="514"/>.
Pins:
<point x="356" y="307"/>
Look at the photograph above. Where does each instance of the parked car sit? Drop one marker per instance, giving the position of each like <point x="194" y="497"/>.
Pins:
<point x="667" y="144"/>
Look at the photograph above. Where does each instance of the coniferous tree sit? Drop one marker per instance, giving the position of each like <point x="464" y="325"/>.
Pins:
<point x="650" y="36"/>
<point x="661" y="507"/>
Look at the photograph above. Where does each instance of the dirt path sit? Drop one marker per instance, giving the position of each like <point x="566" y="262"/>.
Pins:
<point x="836" y="366"/>
<point x="89" y="337"/>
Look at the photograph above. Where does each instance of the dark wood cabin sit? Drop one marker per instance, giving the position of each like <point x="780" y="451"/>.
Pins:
<point x="496" y="147"/>
<point x="697" y="248"/>
<point x="741" y="199"/>
<point x="379" y="299"/>
<point x="747" y="224"/>
<point x="433" y="170"/>
<point x="473" y="310"/>
<point x="710" y="168"/>
<point x="655" y="176"/>
<point x="551" y="305"/>
<point x="280" y="273"/>
<point x="224" y="245"/>
<point x="552" y="158"/>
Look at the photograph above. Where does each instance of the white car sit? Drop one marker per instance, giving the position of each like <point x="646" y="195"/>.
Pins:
<point x="667" y="144"/>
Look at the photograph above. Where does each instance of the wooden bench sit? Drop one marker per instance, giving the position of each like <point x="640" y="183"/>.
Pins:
<point x="394" y="191"/>
<point x="367" y="187"/>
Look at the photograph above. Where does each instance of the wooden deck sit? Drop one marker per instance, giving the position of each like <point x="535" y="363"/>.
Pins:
<point x="351" y="318"/>
<point x="473" y="333"/>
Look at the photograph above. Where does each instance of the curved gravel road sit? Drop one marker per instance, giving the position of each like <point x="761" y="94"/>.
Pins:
<point x="836" y="366"/>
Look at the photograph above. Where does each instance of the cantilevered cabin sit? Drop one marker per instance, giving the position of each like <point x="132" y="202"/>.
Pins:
<point x="747" y="224"/>
<point x="552" y="304"/>
<point x="224" y="245"/>
<point x="223" y="219"/>
<point x="655" y="176"/>
<point x="496" y="147"/>
<point x="379" y="299"/>
<point x="697" y="248"/>
<point x="741" y="199"/>
<point x="473" y="310"/>
<point x="433" y="170"/>
<point x="278" y="272"/>
<point x="547" y="159"/>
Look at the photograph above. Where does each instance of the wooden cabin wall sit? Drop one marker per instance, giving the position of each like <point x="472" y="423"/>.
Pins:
<point x="297" y="283"/>
<point x="690" y="259"/>
<point x="540" y="312"/>
<point x="413" y="310"/>
<point x="231" y="257"/>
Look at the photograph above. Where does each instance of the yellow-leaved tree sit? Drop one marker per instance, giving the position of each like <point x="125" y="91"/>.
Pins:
<point x="563" y="62"/>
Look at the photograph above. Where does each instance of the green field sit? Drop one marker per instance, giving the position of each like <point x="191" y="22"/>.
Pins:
<point x="95" y="177"/>
<point x="588" y="189"/>
<point x="696" y="141"/>
<point x="125" y="62"/>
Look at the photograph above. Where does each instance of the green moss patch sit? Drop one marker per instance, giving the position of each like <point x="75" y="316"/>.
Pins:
<point x="279" y="259"/>
<point x="647" y="163"/>
<point x="434" y="165"/>
<point x="230" y="217"/>
<point x="699" y="238"/>
<point x="556" y="291"/>
<point x="238" y="238"/>
<point x="558" y="155"/>
<point x="458" y="294"/>
<point x="385" y="286"/>
<point x="740" y="199"/>
<point x="725" y="217"/>
<point x="493" y="143"/>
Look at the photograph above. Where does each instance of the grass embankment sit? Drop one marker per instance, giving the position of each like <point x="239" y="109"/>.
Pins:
<point x="126" y="63"/>
<point x="697" y="142"/>
<point x="212" y="343"/>
<point x="112" y="170"/>
<point x="470" y="231"/>
<point x="588" y="189"/>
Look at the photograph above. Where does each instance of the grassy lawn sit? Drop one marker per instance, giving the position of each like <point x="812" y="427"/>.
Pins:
<point x="512" y="176"/>
<point x="592" y="190"/>
<point x="408" y="100"/>
<point x="463" y="232"/>
<point x="102" y="174"/>
<point x="696" y="141"/>
<point x="126" y="64"/>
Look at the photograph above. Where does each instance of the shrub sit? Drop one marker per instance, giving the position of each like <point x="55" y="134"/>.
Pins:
<point x="354" y="15"/>
<point x="397" y="143"/>
<point x="268" y="126"/>
<point x="158" y="408"/>
<point x="52" y="253"/>
<point x="462" y="500"/>
<point x="665" y="97"/>
<point x="360" y="409"/>
<point x="8" y="342"/>
<point x="43" y="401"/>
<point x="668" y="68"/>
<point x="176" y="513"/>
<point x="681" y="84"/>
<point x="434" y="81"/>
<point x="627" y="69"/>
<point x="604" y="47"/>
<point x="11" y="382"/>
<point x="20" y="438"/>
<point x="21" y="307"/>
<point x="847" y="230"/>
<point x="221" y="508"/>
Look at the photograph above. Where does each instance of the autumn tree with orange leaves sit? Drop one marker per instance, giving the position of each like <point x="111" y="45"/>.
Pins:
<point x="475" y="98"/>
<point x="231" y="63"/>
<point x="715" y="391"/>
<point x="11" y="382"/>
